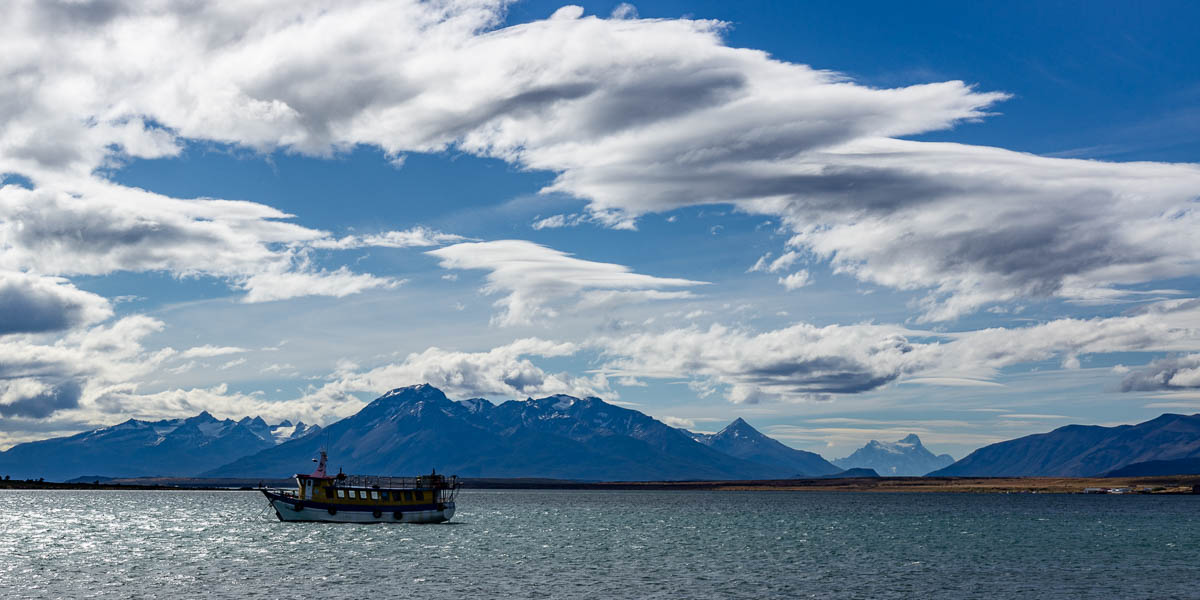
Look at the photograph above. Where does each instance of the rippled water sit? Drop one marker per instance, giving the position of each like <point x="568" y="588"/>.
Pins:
<point x="600" y="544"/>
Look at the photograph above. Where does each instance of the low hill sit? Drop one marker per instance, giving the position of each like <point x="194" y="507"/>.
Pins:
<point x="1084" y="450"/>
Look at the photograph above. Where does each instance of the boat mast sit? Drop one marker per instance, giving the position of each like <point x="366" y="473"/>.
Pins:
<point x="320" y="472"/>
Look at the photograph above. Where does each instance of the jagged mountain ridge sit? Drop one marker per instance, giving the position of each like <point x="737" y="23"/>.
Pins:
<point x="1084" y="450"/>
<point x="136" y="448"/>
<point x="740" y="440"/>
<point x="417" y="428"/>
<point x="906" y="457"/>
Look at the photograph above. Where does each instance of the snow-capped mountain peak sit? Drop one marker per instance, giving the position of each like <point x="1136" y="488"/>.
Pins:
<point x="905" y="457"/>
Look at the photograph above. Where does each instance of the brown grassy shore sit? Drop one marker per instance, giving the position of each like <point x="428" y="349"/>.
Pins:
<point x="1180" y="484"/>
<point x="1176" y="484"/>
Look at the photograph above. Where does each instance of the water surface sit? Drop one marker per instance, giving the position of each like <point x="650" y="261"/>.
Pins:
<point x="607" y="544"/>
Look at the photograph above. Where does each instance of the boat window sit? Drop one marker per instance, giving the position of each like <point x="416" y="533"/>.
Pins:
<point x="374" y="495"/>
<point x="420" y="496"/>
<point x="341" y="493"/>
<point x="408" y="496"/>
<point x="383" y="495"/>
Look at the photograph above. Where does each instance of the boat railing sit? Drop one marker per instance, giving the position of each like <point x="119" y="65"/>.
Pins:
<point x="437" y="482"/>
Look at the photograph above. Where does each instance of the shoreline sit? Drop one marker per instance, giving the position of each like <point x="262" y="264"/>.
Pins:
<point x="1170" y="484"/>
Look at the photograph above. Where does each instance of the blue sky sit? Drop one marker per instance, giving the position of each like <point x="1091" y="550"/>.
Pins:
<point x="840" y="221"/>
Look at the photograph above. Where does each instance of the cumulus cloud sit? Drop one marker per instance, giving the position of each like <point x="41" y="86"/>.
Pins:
<point x="796" y="280"/>
<point x="1171" y="373"/>
<point x="105" y="228"/>
<point x="537" y="281"/>
<point x="504" y="371"/>
<point x="222" y="402"/>
<point x="35" y="399"/>
<point x="807" y="362"/>
<point x="680" y="422"/>
<point x="40" y="377"/>
<point x="34" y="304"/>
<point x="801" y="361"/>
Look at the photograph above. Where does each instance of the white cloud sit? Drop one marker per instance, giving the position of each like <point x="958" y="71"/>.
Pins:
<point x="806" y="362"/>
<point x="679" y="422"/>
<point x="784" y="261"/>
<point x="503" y="372"/>
<point x="222" y="403"/>
<point x="801" y="361"/>
<point x="34" y="304"/>
<point x="40" y="377"/>
<point x="233" y="363"/>
<point x="625" y="10"/>
<point x="985" y="225"/>
<point x="761" y="264"/>
<point x="416" y="237"/>
<point x="281" y="284"/>
<point x="102" y="228"/>
<point x="796" y="280"/>
<point x="209" y="351"/>
<point x="1170" y="373"/>
<point x="664" y="116"/>
<point x="537" y="281"/>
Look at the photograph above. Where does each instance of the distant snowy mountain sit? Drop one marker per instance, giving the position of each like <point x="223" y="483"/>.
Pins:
<point x="171" y="447"/>
<point x="902" y="458"/>
<point x="740" y="440"/>
<point x="415" y="429"/>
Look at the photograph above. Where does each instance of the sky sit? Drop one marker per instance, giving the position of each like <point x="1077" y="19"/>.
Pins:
<point x="838" y="221"/>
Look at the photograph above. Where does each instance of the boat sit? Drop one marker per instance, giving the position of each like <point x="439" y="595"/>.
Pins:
<point x="343" y="498"/>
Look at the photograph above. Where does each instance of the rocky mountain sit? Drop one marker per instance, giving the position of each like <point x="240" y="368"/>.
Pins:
<point x="740" y="440"/>
<point x="415" y="429"/>
<point x="1084" y="450"/>
<point x="903" y="458"/>
<point x="172" y="447"/>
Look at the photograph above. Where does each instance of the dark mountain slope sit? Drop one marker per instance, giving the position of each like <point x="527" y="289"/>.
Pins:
<point x="1084" y="451"/>
<point x="740" y="440"/>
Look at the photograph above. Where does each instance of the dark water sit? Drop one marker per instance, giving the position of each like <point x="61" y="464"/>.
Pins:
<point x="588" y="544"/>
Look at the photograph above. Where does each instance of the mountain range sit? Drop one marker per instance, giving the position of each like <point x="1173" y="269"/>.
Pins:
<point x="1089" y="451"/>
<point x="906" y="457"/>
<point x="148" y="448"/>
<point x="416" y="429"/>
